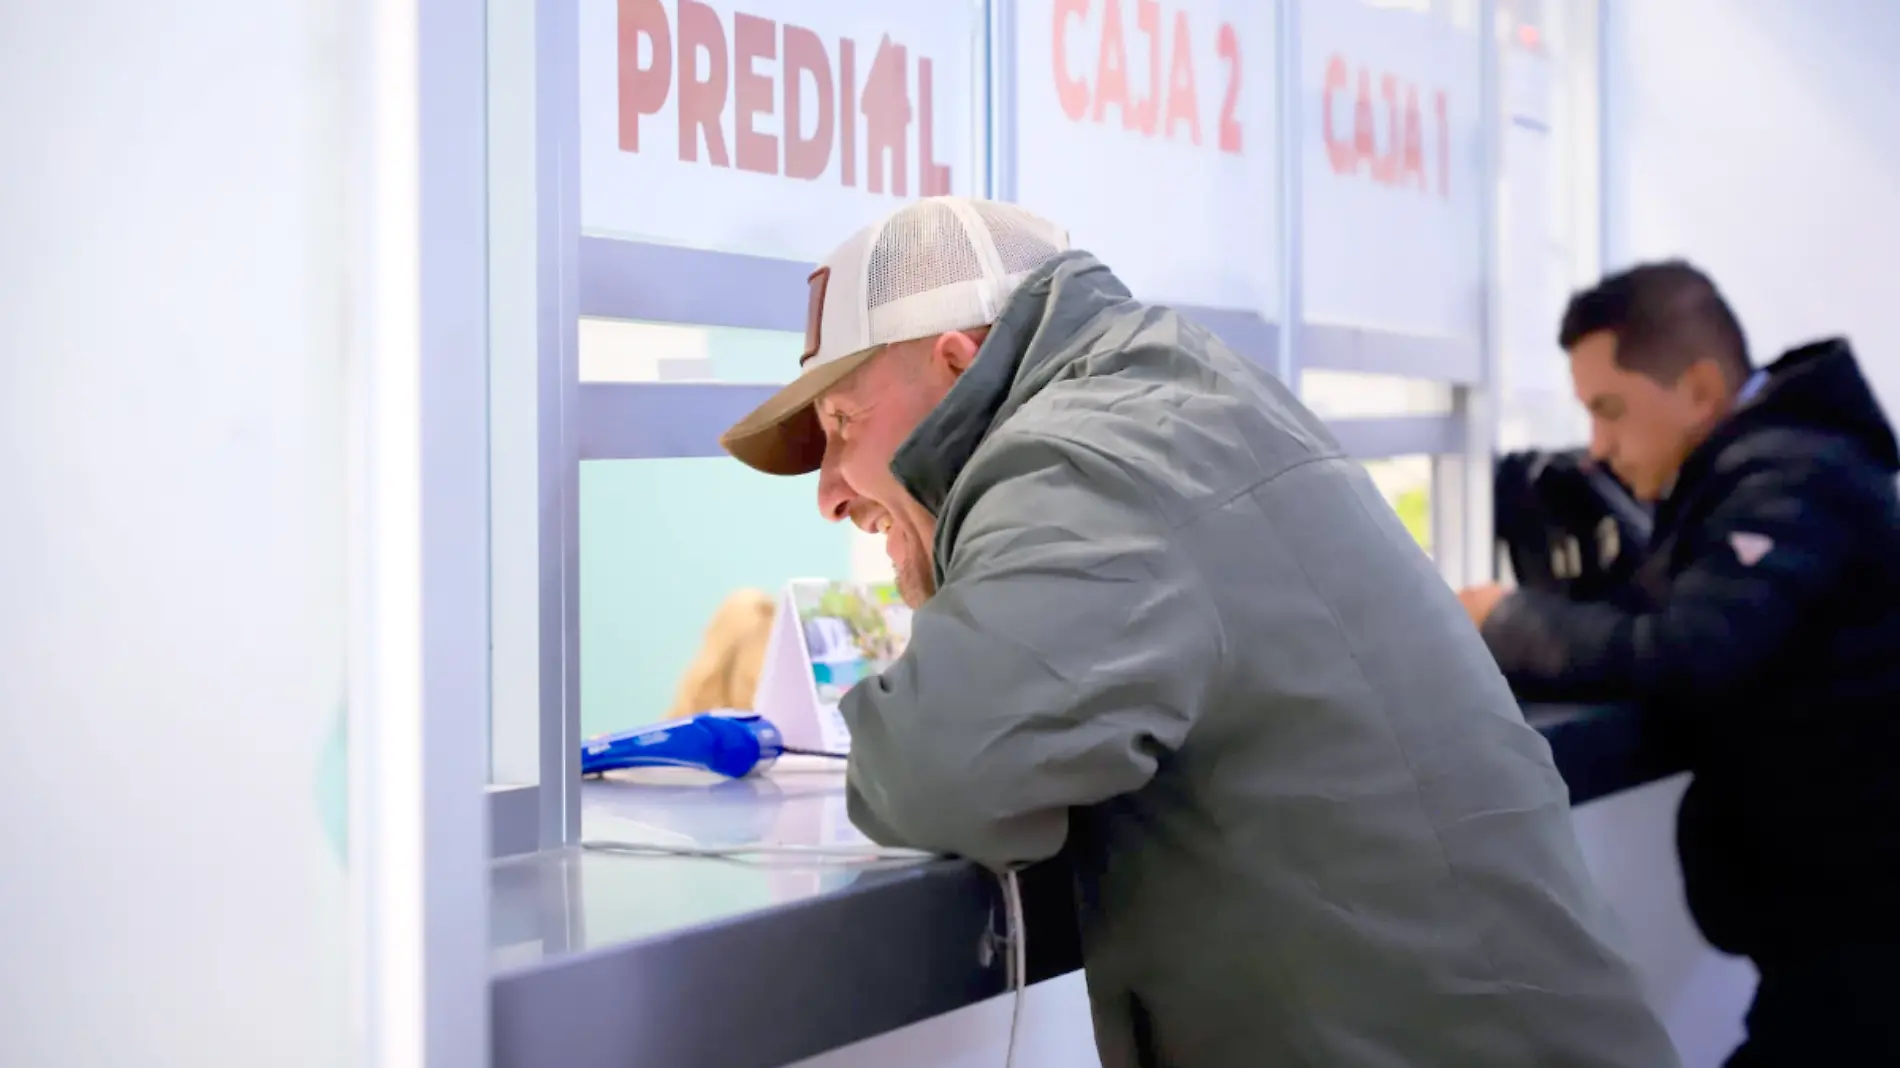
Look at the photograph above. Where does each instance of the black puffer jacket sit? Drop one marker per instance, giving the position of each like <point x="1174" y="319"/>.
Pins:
<point x="1769" y="653"/>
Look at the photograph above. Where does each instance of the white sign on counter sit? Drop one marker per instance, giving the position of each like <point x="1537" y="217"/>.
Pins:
<point x="826" y="638"/>
<point x="772" y="127"/>
<point x="1392" y="160"/>
<point x="1147" y="129"/>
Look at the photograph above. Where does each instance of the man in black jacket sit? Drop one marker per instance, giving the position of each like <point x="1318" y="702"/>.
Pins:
<point x="1765" y="648"/>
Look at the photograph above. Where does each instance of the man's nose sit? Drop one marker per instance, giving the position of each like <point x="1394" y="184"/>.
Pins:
<point x="834" y="494"/>
<point x="1600" y="449"/>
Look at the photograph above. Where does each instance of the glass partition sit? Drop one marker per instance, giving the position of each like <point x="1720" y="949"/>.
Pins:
<point x="721" y="148"/>
<point x="1152" y="132"/>
<point x="1394" y="186"/>
<point x="773" y="128"/>
<point x="664" y="543"/>
<point x="1318" y="163"/>
<point x="1392" y="241"/>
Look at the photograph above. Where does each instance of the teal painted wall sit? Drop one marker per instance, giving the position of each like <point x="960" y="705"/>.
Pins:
<point x="661" y="543"/>
<point x="754" y="355"/>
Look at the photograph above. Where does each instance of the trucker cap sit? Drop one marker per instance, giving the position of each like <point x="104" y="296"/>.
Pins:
<point x="931" y="267"/>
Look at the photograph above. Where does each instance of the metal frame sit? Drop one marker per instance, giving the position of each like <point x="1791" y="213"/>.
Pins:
<point x="514" y="417"/>
<point x="557" y="154"/>
<point x="514" y="819"/>
<point x="1461" y="480"/>
<point x="1606" y="104"/>
<point x="1288" y="100"/>
<point x="419" y="548"/>
<point x="999" y="20"/>
<point x="667" y="283"/>
<point x="543" y="763"/>
<point x="1592" y="249"/>
<point x="1400" y="435"/>
<point x="1327" y="347"/>
<point x="452" y="69"/>
<point x="607" y="278"/>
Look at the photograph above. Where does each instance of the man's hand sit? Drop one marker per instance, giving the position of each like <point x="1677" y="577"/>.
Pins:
<point x="1480" y="601"/>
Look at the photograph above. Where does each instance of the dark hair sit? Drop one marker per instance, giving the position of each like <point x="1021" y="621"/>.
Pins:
<point x="1665" y="317"/>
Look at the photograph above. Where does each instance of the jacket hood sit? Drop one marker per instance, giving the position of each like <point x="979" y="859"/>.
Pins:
<point x="1818" y="386"/>
<point x="1027" y="348"/>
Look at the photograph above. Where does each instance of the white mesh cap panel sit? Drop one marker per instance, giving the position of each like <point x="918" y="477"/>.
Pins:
<point x="1023" y="241"/>
<point x="923" y="247"/>
<point x="933" y="266"/>
<point x="949" y="263"/>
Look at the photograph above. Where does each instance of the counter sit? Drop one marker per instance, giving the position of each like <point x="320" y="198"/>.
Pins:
<point x="609" y="960"/>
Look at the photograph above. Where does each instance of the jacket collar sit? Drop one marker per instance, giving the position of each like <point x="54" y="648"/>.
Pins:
<point x="1028" y="345"/>
<point x="1816" y="387"/>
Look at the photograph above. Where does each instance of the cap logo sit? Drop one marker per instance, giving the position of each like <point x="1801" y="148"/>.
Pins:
<point x="814" y="316"/>
<point x="1750" y="547"/>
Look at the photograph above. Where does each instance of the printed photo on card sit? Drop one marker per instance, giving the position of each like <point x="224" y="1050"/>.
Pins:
<point x="852" y="631"/>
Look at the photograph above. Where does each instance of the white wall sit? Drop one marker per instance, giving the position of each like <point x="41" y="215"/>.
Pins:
<point x="1760" y="139"/>
<point x="172" y="551"/>
<point x="1629" y="842"/>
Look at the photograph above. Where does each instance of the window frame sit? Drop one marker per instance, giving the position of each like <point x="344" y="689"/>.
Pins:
<point x="599" y="277"/>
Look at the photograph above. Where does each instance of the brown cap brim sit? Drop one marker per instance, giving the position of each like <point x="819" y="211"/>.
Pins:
<point x="783" y="435"/>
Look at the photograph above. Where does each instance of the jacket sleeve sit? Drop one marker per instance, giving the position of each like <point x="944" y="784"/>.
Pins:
<point x="1774" y="546"/>
<point x="1066" y="652"/>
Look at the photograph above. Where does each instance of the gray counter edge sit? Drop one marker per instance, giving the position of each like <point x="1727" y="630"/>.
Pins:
<point x="892" y="949"/>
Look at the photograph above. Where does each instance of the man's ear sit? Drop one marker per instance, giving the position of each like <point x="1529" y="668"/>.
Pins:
<point x="956" y="351"/>
<point x="1708" y="388"/>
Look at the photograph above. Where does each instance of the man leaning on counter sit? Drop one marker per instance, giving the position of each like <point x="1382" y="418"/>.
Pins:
<point x="1165" y="626"/>
<point x="1765" y="649"/>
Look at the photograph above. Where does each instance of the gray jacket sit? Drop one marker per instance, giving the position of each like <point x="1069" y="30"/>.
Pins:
<point x="1181" y="634"/>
